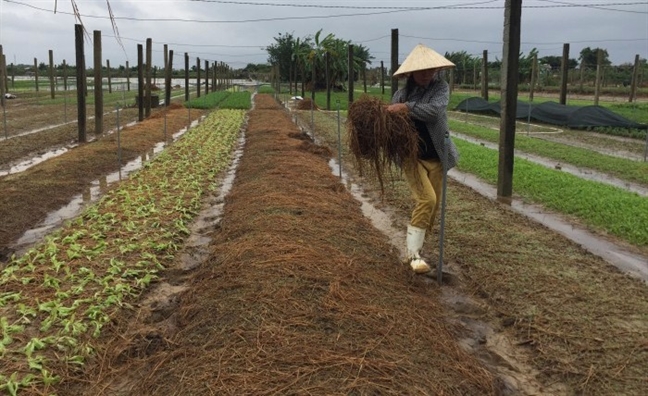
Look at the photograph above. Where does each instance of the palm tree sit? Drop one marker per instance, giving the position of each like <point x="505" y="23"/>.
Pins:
<point x="300" y="51"/>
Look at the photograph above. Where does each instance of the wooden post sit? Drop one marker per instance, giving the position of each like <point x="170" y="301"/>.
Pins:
<point x="464" y="72"/>
<point x="328" y="81"/>
<point x="167" y="83"/>
<point x="364" y="77"/>
<point x="219" y="76"/>
<point x="313" y="79"/>
<point x="510" y="64"/>
<point x="51" y="74"/>
<point x="582" y="67"/>
<point x="80" y="82"/>
<point x="109" y="76"/>
<point x="214" y="87"/>
<point x="127" y="77"/>
<point x="290" y="76"/>
<point x="149" y="52"/>
<point x="475" y="75"/>
<point x="452" y="78"/>
<point x="382" y="78"/>
<point x="36" y="74"/>
<point x="217" y="71"/>
<point x="98" y="86"/>
<point x="565" y="74"/>
<point x="186" y="76"/>
<point x="65" y="76"/>
<point x="485" y="75"/>
<point x="635" y="78"/>
<point x="394" y="60"/>
<point x="140" y="82"/>
<point x="534" y="76"/>
<point x="599" y="71"/>
<point x="198" y="77"/>
<point x="206" y="76"/>
<point x="351" y="75"/>
<point x="166" y="69"/>
<point x="166" y="57"/>
<point x="3" y="62"/>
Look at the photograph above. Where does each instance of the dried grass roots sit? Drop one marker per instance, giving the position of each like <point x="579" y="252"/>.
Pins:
<point x="380" y="139"/>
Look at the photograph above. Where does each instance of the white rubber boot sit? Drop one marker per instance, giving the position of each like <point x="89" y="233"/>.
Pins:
<point x="415" y="239"/>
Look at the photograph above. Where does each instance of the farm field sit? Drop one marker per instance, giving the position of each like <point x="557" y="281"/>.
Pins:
<point x="299" y="293"/>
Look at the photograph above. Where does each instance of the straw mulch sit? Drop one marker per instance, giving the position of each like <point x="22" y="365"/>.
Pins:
<point x="378" y="139"/>
<point x="301" y="295"/>
<point x="306" y="104"/>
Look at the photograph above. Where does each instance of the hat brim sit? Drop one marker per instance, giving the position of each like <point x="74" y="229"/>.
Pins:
<point x="409" y="73"/>
<point x="423" y="58"/>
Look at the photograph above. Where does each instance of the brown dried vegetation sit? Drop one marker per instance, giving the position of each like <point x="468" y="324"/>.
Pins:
<point x="300" y="295"/>
<point x="380" y="139"/>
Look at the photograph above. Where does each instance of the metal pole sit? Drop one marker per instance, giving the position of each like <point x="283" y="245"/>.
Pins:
<point x="529" y="118"/>
<point x="646" y="149"/>
<point x="446" y="144"/>
<point x="337" y="103"/>
<point x="119" y="154"/>
<point x="312" y="115"/>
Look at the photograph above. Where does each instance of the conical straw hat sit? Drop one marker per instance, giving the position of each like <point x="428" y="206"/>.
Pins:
<point x="422" y="58"/>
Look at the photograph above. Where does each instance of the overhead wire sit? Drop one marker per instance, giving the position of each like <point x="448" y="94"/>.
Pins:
<point x="381" y="10"/>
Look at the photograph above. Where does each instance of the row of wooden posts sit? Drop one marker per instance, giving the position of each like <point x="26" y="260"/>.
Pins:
<point x="509" y="88"/>
<point x="483" y="75"/>
<point x="220" y="77"/>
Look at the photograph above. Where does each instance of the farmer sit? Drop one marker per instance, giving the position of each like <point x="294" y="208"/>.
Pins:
<point x="425" y="98"/>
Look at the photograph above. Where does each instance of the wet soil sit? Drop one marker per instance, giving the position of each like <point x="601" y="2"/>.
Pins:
<point x="293" y="291"/>
<point x="29" y="196"/>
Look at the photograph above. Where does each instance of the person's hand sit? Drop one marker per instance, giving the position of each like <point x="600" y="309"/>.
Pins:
<point x="396" y="107"/>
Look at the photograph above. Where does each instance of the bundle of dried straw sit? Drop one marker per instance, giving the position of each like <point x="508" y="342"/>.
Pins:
<point x="378" y="138"/>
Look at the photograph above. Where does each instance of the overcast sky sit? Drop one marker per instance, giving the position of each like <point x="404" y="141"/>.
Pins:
<point x="237" y="32"/>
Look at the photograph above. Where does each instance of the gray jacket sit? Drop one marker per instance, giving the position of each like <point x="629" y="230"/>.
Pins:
<point x="429" y="105"/>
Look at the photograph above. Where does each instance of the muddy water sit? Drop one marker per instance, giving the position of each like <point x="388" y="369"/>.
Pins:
<point x="28" y="163"/>
<point x="94" y="191"/>
<point x="587" y="174"/>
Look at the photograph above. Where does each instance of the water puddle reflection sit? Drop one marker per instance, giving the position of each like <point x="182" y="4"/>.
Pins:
<point x="379" y="218"/>
<point x="92" y="193"/>
<point x="24" y="165"/>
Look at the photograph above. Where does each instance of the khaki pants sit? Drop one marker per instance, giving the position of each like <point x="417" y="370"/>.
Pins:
<point x="425" y="180"/>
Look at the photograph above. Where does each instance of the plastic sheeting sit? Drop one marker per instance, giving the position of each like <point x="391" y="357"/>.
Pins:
<point x="555" y="114"/>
